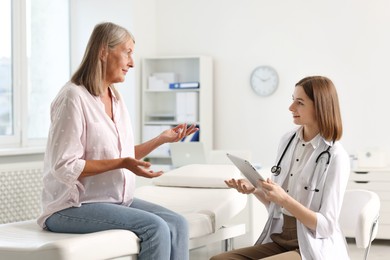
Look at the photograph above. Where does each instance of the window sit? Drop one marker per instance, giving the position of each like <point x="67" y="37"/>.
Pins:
<point x="6" y="110"/>
<point x="34" y="64"/>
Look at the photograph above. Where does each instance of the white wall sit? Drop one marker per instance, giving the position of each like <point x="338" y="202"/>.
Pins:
<point x="344" y="40"/>
<point x="347" y="41"/>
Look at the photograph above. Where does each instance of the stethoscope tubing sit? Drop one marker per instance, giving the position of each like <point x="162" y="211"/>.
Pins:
<point x="276" y="169"/>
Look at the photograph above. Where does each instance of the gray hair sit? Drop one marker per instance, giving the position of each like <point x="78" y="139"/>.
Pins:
<point x="92" y="70"/>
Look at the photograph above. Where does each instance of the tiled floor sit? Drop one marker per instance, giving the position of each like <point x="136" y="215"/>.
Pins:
<point x="380" y="250"/>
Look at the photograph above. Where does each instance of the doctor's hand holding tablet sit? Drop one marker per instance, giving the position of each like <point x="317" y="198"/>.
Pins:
<point x="264" y="189"/>
<point x="253" y="178"/>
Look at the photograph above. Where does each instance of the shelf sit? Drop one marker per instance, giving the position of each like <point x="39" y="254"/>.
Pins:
<point x="161" y="115"/>
<point x="162" y="122"/>
<point x="158" y="156"/>
<point x="172" y="90"/>
<point x="163" y="108"/>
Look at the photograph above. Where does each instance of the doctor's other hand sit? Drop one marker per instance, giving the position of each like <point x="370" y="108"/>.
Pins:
<point x="241" y="185"/>
<point x="177" y="133"/>
<point x="140" y="168"/>
<point x="273" y="192"/>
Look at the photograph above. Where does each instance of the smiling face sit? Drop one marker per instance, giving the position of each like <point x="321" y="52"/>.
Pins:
<point x="302" y="109"/>
<point x="119" y="60"/>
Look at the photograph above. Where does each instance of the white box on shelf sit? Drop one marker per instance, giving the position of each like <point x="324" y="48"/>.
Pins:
<point x="161" y="80"/>
<point x="186" y="107"/>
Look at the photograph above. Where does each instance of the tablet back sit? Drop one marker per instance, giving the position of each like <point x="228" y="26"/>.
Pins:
<point x="246" y="168"/>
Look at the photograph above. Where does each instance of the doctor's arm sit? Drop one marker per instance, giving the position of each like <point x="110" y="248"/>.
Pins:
<point x="276" y="194"/>
<point x="245" y="187"/>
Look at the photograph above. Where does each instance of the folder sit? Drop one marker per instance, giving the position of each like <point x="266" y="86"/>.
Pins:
<point x="179" y="85"/>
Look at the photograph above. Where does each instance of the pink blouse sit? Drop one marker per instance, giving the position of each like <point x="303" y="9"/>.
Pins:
<point x="81" y="130"/>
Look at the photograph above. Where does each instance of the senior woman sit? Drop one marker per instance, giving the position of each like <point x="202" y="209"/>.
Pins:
<point x="91" y="159"/>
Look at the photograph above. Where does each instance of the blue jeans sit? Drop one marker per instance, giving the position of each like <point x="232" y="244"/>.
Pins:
<point x="163" y="233"/>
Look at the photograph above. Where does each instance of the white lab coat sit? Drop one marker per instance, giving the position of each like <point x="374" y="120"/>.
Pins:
<point x="327" y="241"/>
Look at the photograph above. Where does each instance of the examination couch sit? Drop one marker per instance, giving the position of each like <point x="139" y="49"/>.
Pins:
<point x="195" y="191"/>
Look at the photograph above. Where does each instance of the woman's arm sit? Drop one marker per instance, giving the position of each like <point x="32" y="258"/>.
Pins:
<point x="168" y="136"/>
<point x="138" y="167"/>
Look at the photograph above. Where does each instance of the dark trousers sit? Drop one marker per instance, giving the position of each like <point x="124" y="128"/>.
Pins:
<point x="284" y="246"/>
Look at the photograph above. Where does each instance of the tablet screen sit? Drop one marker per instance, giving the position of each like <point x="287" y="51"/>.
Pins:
<point x="247" y="169"/>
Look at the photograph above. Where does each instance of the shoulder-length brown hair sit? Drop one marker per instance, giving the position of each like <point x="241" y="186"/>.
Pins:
<point x="92" y="70"/>
<point x="322" y="92"/>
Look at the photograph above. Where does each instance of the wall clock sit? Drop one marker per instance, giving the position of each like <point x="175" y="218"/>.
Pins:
<point x="264" y="80"/>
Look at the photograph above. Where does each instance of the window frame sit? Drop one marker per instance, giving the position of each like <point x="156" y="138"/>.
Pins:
<point x="19" y="140"/>
<point x="18" y="40"/>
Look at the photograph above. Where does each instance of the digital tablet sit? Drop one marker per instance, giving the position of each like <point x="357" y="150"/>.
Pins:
<point x="247" y="169"/>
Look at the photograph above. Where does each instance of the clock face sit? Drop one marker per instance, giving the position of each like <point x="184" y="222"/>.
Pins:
<point x="264" y="80"/>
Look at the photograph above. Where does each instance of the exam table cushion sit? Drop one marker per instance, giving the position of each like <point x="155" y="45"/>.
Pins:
<point x="205" y="209"/>
<point x="27" y="240"/>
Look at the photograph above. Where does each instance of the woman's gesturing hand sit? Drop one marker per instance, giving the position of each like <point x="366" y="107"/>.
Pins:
<point x="177" y="133"/>
<point x="140" y="168"/>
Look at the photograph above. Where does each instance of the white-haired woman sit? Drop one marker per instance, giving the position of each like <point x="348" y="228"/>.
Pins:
<point x="91" y="159"/>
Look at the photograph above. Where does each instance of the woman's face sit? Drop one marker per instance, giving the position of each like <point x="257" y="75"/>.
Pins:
<point x="302" y="108"/>
<point x="119" y="60"/>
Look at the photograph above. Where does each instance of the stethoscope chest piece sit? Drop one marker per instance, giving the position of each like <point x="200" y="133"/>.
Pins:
<point x="276" y="169"/>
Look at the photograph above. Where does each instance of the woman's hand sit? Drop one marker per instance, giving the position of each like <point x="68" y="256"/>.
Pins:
<point x="241" y="185"/>
<point x="168" y="136"/>
<point x="140" y="168"/>
<point x="177" y="133"/>
<point x="274" y="192"/>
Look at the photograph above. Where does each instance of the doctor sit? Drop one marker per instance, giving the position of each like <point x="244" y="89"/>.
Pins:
<point x="305" y="194"/>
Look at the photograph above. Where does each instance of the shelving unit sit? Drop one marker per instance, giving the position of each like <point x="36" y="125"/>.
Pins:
<point x="162" y="107"/>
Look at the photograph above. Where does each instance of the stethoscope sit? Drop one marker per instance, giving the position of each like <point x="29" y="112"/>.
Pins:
<point x="276" y="169"/>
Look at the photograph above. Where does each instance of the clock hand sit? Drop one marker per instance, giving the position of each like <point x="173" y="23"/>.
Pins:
<point x="261" y="78"/>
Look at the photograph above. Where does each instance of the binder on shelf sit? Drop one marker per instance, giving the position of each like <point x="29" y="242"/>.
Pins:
<point x="183" y="85"/>
<point x="187" y="106"/>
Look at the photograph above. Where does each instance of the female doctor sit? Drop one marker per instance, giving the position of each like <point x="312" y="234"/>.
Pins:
<point x="305" y="194"/>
